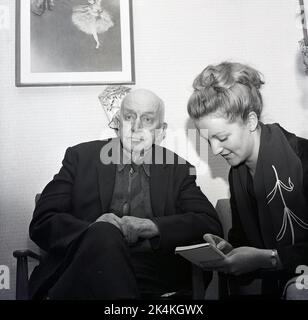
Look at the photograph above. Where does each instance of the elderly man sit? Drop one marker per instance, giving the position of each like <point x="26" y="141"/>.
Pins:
<point x="110" y="227"/>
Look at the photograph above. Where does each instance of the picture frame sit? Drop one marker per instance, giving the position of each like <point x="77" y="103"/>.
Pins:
<point x="74" y="42"/>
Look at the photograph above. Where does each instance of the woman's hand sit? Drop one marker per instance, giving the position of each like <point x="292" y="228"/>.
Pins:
<point x="242" y="260"/>
<point x="218" y="242"/>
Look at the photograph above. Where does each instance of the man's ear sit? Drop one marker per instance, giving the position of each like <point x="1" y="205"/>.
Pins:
<point x="252" y="121"/>
<point x="163" y="130"/>
<point x="162" y="133"/>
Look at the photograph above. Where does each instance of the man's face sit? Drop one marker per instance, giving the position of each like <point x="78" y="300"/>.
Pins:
<point x="139" y="117"/>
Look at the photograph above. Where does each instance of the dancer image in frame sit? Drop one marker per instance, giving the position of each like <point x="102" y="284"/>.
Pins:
<point x="92" y="19"/>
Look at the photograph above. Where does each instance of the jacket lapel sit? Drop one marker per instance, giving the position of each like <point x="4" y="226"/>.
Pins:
<point x="106" y="176"/>
<point x="158" y="188"/>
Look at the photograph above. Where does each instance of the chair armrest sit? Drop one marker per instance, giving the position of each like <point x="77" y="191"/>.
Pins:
<point x="197" y="282"/>
<point x="26" y="253"/>
<point x="22" y="272"/>
<point x="200" y="282"/>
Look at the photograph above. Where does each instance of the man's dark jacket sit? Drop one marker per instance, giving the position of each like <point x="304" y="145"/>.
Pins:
<point x="82" y="191"/>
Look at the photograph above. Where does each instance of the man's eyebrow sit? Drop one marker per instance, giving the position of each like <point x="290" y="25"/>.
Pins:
<point x="128" y="110"/>
<point x="145" y="113"/>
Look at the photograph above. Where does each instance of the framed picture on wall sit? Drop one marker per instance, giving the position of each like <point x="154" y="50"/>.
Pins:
<point x="74" y="42"/>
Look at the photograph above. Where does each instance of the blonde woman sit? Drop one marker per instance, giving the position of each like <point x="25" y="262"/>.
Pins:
<point x="268" y="176"/>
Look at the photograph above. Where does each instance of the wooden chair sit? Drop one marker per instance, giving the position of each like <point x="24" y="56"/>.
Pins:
<point x="199" y="281"/>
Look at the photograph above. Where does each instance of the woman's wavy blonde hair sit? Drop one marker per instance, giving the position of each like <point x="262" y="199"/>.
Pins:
<point x="229" y="89"/>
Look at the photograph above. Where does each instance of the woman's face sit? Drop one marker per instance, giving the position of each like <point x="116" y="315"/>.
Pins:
<point x="232" y="140"/>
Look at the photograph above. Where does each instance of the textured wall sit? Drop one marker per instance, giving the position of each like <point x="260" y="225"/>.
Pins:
<point x="174" y="40"/>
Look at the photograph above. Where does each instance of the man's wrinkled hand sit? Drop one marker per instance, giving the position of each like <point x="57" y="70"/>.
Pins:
<point x="134" y="228"/>
<point x="111" y="218"/>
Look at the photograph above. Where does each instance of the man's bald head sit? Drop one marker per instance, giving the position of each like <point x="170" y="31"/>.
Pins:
<point x="144" y="101"/>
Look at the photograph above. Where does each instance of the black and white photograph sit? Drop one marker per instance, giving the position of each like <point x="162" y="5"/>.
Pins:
<point x="154" y="155"/>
